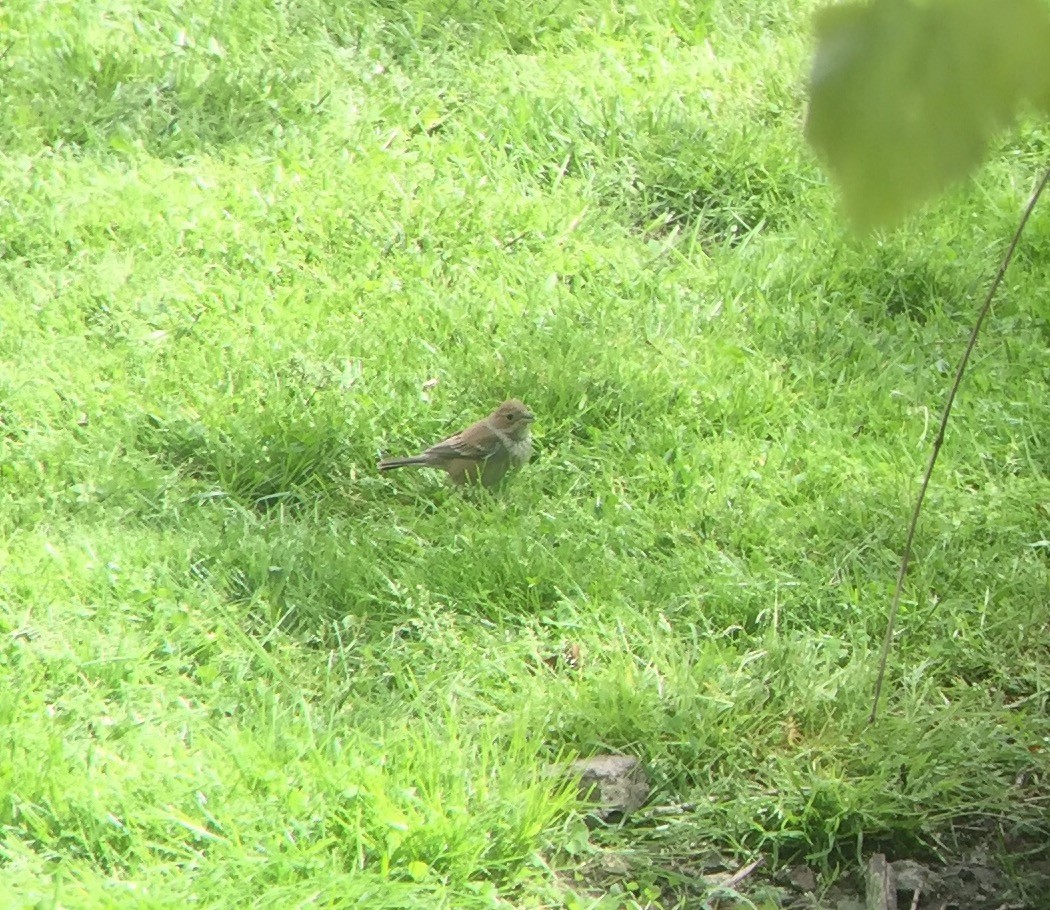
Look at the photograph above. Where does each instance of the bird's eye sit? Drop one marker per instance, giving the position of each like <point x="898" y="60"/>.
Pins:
<point x="511" y="416"/>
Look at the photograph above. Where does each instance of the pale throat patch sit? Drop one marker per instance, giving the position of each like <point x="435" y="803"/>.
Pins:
<point x="519" y="450"/>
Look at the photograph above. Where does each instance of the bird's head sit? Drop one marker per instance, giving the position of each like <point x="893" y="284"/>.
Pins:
<point x="512" y="417"/>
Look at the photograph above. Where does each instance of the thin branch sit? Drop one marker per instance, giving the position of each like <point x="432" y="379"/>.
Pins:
<point x="737" y="877"/>
<point x="939" y="441"/>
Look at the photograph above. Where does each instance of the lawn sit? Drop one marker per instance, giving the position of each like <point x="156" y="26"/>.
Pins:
<point x="247" y="249"/>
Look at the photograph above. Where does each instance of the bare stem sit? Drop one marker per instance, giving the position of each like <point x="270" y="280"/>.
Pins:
<point x="939" y="441"/>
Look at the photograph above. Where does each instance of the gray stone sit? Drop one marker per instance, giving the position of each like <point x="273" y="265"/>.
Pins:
<point x="616" y="785"/>
<point x="803" y="878"/>
<point x="910" y="875"/>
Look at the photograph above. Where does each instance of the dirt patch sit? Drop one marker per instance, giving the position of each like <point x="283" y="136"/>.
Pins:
<point x="986" y="876"/>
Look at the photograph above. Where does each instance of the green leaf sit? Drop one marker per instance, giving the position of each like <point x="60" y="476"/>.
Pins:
<point x="905" y="97"/>
<point x="418" y="870"/>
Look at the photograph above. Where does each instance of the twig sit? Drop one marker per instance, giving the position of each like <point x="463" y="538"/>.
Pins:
<point x="675" y="809"/>
<point x="737" y="877"/>
<point x="939" y="441"/>
<point x="575" y="223"/>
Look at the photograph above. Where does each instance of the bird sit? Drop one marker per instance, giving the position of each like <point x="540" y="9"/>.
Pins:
<point x="483" y="452"/>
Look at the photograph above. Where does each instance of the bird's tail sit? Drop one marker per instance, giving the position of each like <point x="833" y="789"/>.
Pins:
<point x="388" y="464"/>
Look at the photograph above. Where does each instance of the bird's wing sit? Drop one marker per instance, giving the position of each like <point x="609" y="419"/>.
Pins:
<point x="474" y="447"/>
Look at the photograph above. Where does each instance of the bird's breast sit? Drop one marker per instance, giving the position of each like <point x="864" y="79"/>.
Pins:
<point x="519" y="450"/>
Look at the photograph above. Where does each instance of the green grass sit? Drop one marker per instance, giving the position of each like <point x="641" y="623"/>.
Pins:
<point x="241" y="669"/>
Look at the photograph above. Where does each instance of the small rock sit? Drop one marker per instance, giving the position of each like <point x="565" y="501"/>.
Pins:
<point x="910" y="875"/>
<point x="803" y="878"/>
<point x="615" y="864"/>
<point x="881" y="884"/>
<point x="616" y="784"/>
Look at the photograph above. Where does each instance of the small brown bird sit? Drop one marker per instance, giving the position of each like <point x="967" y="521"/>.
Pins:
<point x="482" y="452"/>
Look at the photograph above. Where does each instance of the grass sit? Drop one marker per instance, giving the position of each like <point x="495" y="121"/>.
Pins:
<point x="238" y="243"/>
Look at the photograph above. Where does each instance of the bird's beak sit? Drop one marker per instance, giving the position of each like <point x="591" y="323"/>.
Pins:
<point x="529" y="416"/>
